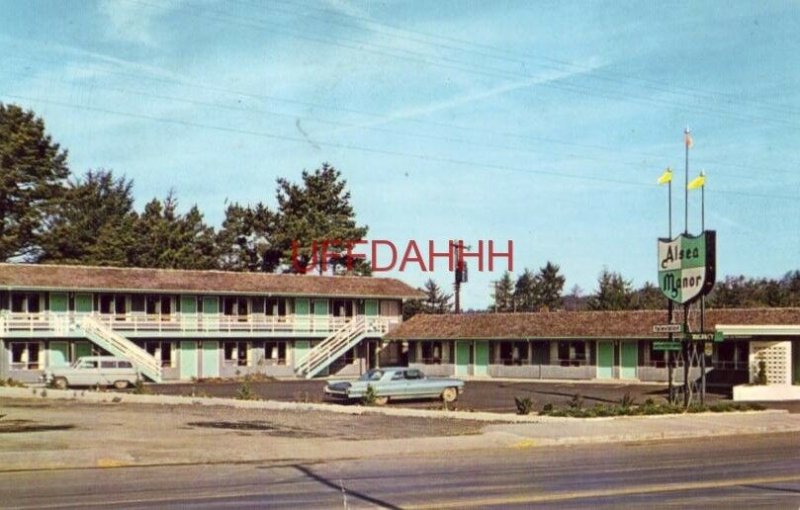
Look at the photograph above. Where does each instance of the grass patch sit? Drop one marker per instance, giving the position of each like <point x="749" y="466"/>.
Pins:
<point x="626" y="407"/>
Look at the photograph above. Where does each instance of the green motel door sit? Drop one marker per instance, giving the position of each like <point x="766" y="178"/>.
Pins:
<point x="629" y="356"/>
<point x="462" y="358"/>
<point x="605" y="360"/>
<point x="481" y="359"/>
<point x="210" y="358"/>
<point x="188" y="359"/>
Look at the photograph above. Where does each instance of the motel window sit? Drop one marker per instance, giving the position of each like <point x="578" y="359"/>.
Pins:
<point x="137" y="303"/>
<point x="658" y="358"/>
<point x="434" y="353"/>
<point x="342" y="308"/>
<point x="25" y="302"/>
<point x="26" y="355"/>
<point x="277" y="306"/>
<point x="731" y="355"/>
<point x="155" y="305"/>
<point x="161" y="351"/>
<point x="258" y="305"/>
<point x="237" y="354"/>
<point x="572" y="353"/>
<point x="513" y="353"/>
<point x="275" y="352"/>
<point x="235" y="306"/>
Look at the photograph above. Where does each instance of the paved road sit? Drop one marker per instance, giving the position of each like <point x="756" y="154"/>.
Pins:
<point x="748" y="472"/>
<point x="494" y="396"/>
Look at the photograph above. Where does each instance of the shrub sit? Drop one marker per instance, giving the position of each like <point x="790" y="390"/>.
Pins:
<point x="524" y="405"/>
<point x="576" y="402"/>
<point x="547" y="409"/>
<point x="11" y="383"/>
<point x="139" y="388"/>
<point x="761" y="376"/>
<point x="627" y="401"/>
<point x="370" y="396"/>
<point x="245" y="392"/>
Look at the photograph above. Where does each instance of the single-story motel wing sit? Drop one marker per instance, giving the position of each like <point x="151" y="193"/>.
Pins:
<point x="184" y="325"/>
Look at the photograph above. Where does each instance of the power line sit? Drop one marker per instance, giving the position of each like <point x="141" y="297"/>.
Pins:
<point x="505" y="134"/>
<point x="501" y="54"/>
<point x="423" y="157"/>
<point x="459" y="65"/>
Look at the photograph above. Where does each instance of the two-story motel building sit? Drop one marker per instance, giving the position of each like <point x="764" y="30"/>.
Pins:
<point x="179" y="325"/>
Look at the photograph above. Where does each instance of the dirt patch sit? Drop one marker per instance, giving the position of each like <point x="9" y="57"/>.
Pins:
<point x="271" y="429"/>
<point x="22" y="426"/>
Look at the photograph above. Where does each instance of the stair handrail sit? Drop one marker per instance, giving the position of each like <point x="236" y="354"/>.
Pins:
<point x="330" y="348"/>
<point x="128" y="349"/>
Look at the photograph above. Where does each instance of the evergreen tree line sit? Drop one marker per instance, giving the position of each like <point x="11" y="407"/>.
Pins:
<point x="48" y="215"/>
<point x="543" y="291"/>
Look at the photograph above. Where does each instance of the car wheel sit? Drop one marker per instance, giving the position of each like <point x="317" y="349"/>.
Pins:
<point x="450" y="395"/>
<point x="60" y="383"/>
<point x="120" y="385"/>
<point x="381" y="401"/>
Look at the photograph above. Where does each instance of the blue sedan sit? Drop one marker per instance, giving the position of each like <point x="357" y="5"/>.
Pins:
<point x="396" y="383"/>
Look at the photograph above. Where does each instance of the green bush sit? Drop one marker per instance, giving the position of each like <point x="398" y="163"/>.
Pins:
<point x="524" y="405"/>
<point x="139" y="388"/>
<point x="245" y="392"/>
<point x="11" y="383"/>
<point x="627" y="401"/>
<point x="761" y="376"/>
<point x="576" y="402"/>
<point x="370" y="396"/>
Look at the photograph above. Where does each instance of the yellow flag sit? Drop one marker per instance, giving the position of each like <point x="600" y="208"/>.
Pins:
<point x="666" y="176"/>
<point x="697" y="182"/>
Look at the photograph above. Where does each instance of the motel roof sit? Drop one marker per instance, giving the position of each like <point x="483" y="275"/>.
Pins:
<point x="114" y="279"/>
<point x="550" y="325"/>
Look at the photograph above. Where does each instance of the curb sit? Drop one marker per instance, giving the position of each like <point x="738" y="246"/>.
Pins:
<point x="128" y="398"/>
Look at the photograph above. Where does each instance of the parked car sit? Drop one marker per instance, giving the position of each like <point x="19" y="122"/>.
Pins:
<point x="93" y="371"/>
<point x="396" y="383"/>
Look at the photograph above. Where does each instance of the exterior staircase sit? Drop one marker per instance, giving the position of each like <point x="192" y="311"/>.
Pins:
<point x="120" y="346"/>
<point x="330" y="349"/>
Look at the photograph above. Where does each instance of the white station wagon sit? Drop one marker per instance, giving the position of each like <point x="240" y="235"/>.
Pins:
<point x="93" y="371"/>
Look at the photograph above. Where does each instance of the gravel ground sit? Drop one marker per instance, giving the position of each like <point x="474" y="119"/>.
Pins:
<point x="32" y="415"/>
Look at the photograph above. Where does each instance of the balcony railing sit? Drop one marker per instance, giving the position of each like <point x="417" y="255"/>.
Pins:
<point x="62" y="323"/>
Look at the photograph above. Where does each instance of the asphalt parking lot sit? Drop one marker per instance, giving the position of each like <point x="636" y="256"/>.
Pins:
<point x="494" y="396"/>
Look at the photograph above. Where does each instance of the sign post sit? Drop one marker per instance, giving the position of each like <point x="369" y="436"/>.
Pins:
<point x="686" y="273"/>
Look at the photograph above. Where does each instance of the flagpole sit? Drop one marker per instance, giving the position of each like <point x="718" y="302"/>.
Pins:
<point x="686" y="183"/>
<point x="669" y="200"/>
<point x="703" y="206"/>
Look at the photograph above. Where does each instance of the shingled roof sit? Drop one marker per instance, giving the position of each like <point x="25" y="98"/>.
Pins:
<point x="621" y="324"/>
<point x="75" y="278"/>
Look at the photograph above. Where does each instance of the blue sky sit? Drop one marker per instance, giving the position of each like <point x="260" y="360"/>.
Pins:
<point x="546" y="123"/>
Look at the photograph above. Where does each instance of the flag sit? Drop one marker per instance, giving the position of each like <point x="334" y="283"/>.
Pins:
<point x="687" y="138"/>
<point x="697" y="182"/>
<point x="666" y="176"/>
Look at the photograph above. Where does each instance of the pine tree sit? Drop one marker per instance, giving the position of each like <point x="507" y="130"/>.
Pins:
<point x="311" y="213"/>
<point x="613" y="293"/>
<point x="33" y="171"/>
<point x="94" y="223"/>
<point x="503" y="294"/>
<point x="550" y="285"/>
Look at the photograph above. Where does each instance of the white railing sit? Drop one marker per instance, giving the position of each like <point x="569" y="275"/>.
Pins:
<point x="334" y="346"/>
<point x="62" y="323"/>
<point x="118" y="345"/>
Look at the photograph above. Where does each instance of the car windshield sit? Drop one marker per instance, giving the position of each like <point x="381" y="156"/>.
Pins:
<point x="371" y="375"/>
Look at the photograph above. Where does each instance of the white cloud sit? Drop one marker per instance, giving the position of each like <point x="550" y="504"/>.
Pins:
<point x="133" y="22"/>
